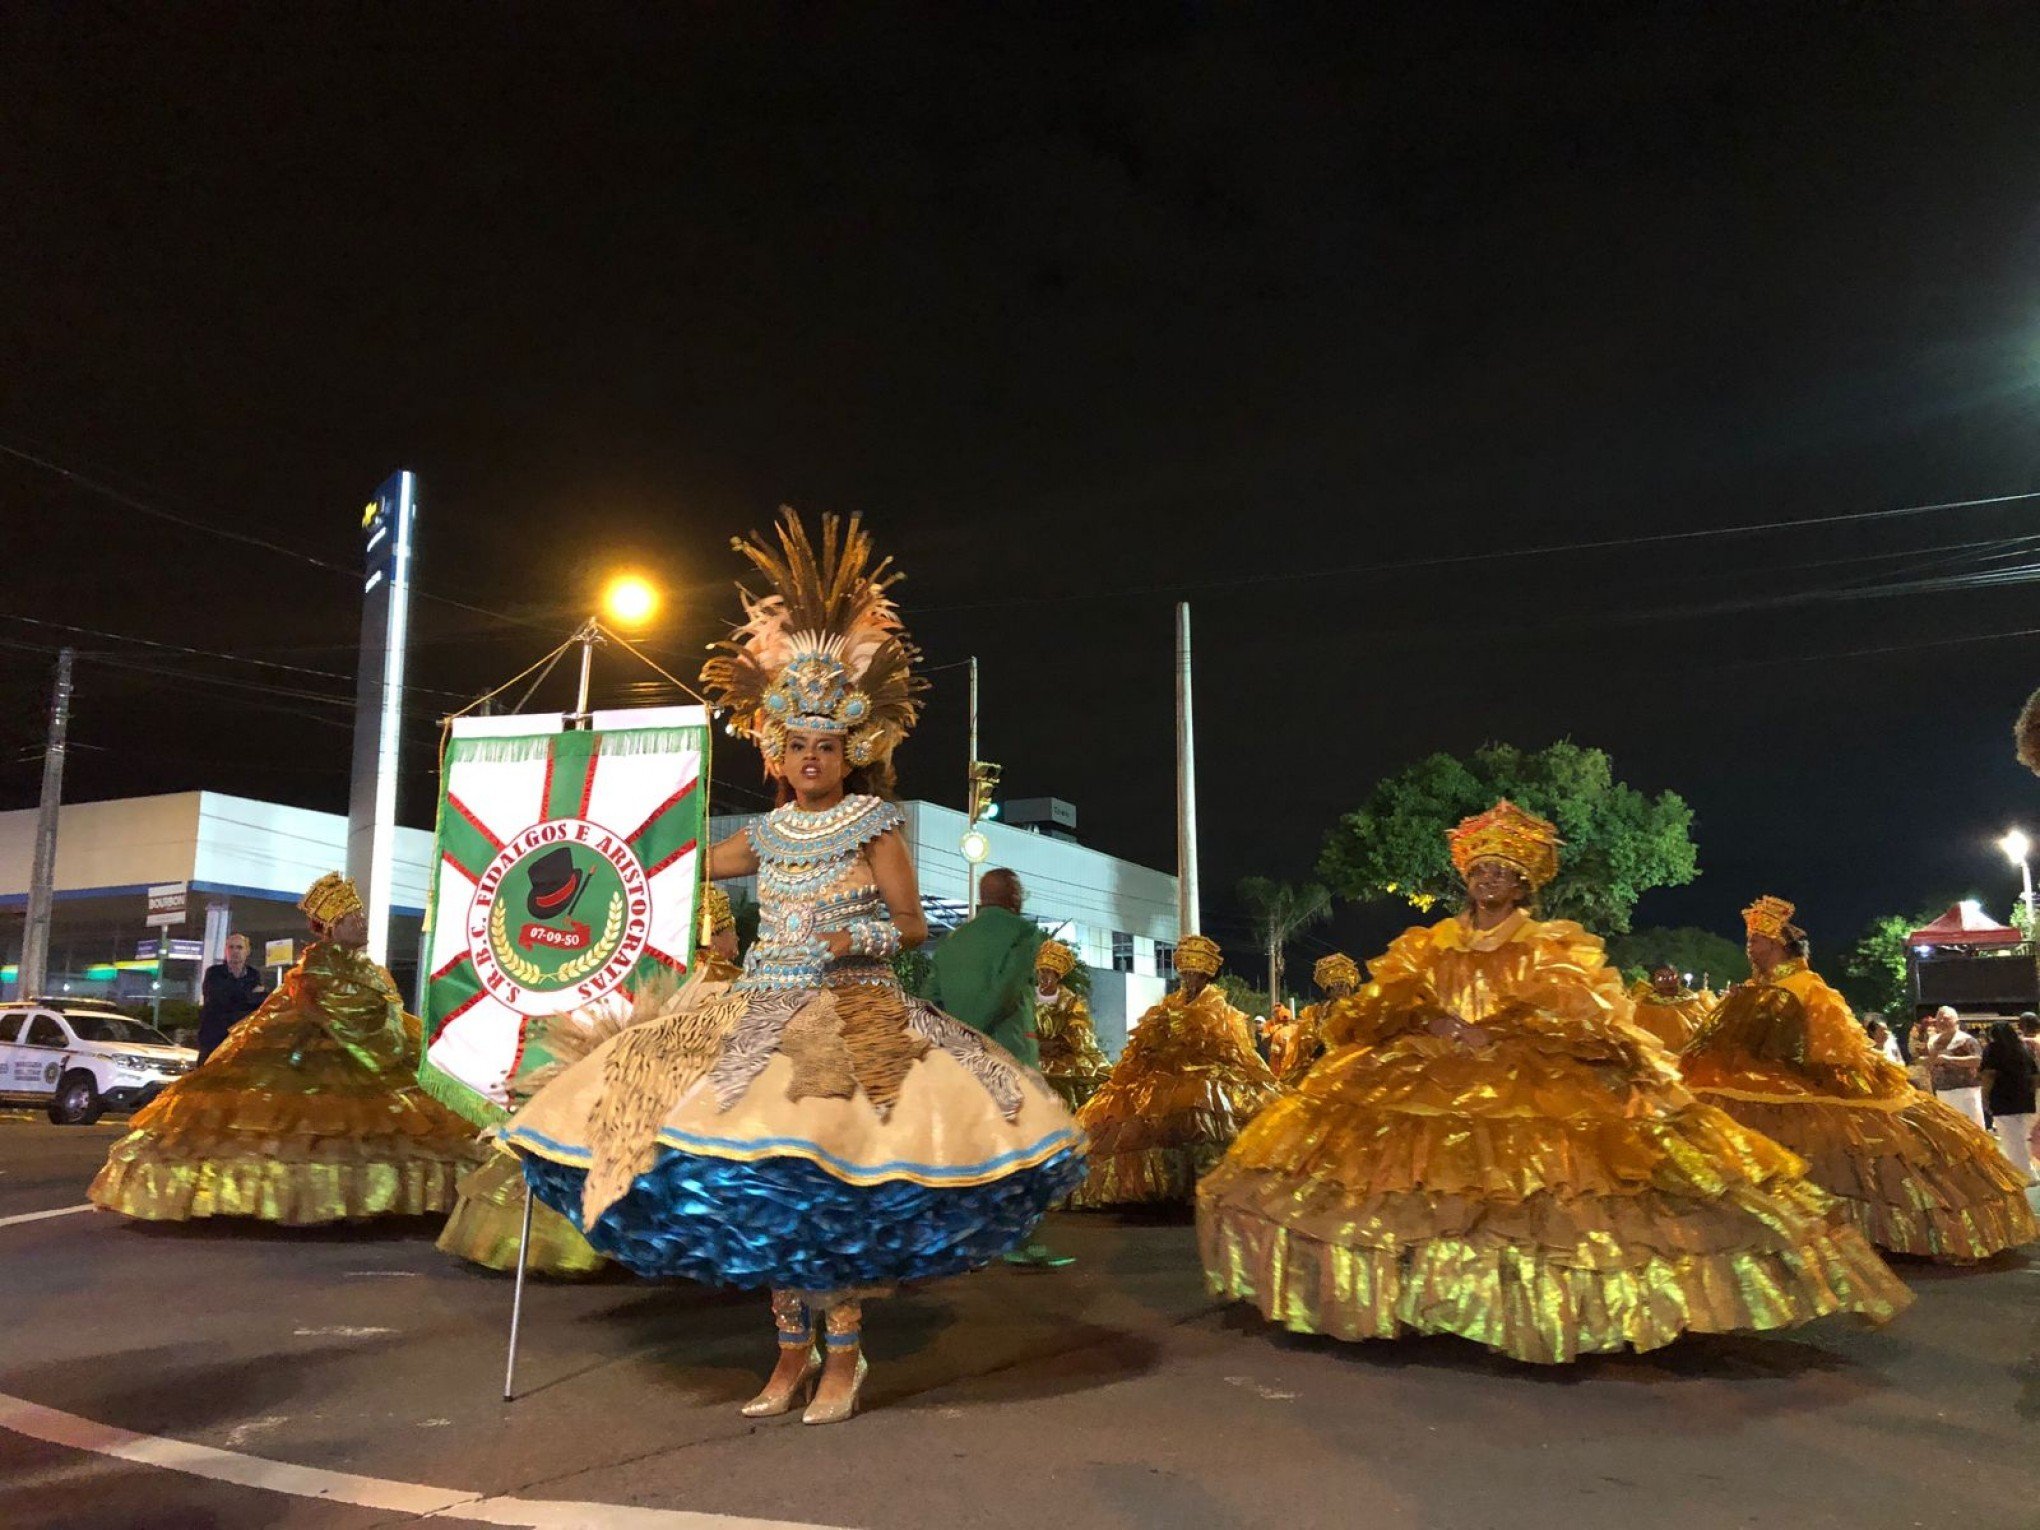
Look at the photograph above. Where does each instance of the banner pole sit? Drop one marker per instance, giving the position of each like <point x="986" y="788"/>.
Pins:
<point x="517" y="1300"/>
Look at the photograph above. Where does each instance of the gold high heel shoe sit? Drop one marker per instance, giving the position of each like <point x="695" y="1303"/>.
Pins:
<point x="835" y="1413"/>
<point x="770" y="1403"/>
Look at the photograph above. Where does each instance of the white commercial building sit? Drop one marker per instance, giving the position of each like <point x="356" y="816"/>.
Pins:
<point x="242" y="864"/>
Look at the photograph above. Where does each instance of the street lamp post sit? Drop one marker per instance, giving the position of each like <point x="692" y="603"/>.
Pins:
<point x="2018" y="850"/>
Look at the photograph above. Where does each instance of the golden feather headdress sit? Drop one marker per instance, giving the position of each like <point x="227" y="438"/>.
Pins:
<point x="1199" y="953"/>
<point x="1055" y="957"/>
<point x="716" y="913"/>
<point x="1508" y="834"/>
<point x="1773" y="917"/>
<point x="331" y="899"/>
<point x="825" y="650"/>
<point x="1335" y="969"/>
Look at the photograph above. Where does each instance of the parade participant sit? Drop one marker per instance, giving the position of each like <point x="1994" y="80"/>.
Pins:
<point x="1188" y="1080"/>
<point x="1491" y="1149"/>
<point x="982" y="971"/>
<point x="1336" y="976"/>
<point x="1070" y="1058"/>
<point x="309" y="1111"/>
<point x="1667" y="1008"/>
<point x="487" y="1222"/>
<point x="1784" y="1056"/>
<point x="816" y="1130"/>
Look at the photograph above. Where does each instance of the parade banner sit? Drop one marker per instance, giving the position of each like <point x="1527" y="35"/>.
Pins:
<point x="567" y="870"/>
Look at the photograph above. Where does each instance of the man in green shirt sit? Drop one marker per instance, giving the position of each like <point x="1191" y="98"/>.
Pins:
<point x="983" y="973"/>
<point x="983" y="970"/>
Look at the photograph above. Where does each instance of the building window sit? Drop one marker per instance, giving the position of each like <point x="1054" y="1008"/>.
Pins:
<point x="1165" y="960"/>
<point x="1122" y="952"/>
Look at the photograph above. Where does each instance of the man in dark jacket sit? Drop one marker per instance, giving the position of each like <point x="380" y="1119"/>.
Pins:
<point x="232" y="991"/>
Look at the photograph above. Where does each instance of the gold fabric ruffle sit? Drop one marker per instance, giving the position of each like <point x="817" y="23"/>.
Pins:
<point x="485" y="1225"/>
<point x="1188" y="1081"/>
<point x="1551" y="1193"/>
<point x="1922" y="1180"/>
<point x="1069" y="1055"/>
<point x="299" y="1117"/>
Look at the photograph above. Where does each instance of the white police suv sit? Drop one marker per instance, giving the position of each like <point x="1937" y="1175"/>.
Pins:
<point x="80" y="1059"/>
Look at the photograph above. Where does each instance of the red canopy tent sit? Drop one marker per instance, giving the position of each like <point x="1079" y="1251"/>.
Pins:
<point x="1965" y="924"/>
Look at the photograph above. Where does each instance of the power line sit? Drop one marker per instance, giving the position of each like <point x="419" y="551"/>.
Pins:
<point x="1499" y="554"/>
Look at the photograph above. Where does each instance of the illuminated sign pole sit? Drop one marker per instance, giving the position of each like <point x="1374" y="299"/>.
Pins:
<point x="387" y="527"/>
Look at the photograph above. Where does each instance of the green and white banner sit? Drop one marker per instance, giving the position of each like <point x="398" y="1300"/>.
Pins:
<point x="568" y="869"/>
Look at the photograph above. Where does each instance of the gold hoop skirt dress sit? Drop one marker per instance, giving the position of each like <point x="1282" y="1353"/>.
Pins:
<point x="1787" y="1058"/>
<point x="309" y="1112"/>
<point x="1070" y="1058"/>
<point x="1188" y="1080"/>
<point x="1554" y="1193"/>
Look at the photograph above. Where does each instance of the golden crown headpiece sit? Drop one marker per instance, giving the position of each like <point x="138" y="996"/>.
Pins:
<point x="824" y="651"/>
<point x="1199" y="953"/>
<point x="1333" y="970"/>
<point x="1508" y="834"/>
<point x="716" y="913"/>
<point x="1055" y="957"/>
<point x="1771" y="917"/>
<point x="331" y="899"/>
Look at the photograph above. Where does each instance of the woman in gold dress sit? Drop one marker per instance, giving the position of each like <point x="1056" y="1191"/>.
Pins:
<point x="1291" y="1054"/>
<point x="1668" y="1009"/>
<point x="309" y="1112"/>
<point x="1491" y="1149"/>
<point x="1070" y="1059"/>
<point x="1188" y="1080"/>
<point x="1784" y="1056"/>
<point x="486" y="1223"/>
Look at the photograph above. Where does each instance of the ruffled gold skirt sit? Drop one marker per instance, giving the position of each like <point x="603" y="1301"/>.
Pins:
<point x="1525" y="1200"/>
<point x="251" y="1134"/>
<point x="1155" y="1131"/>
<point x="489" y="1216"/>
<point x="1921" y="1179"/>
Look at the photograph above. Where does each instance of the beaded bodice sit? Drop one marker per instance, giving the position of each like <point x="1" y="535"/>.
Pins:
<point x="809" y="882"/>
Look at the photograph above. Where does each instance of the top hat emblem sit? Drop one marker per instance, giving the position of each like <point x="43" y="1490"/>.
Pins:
<point x="556" y="885"/>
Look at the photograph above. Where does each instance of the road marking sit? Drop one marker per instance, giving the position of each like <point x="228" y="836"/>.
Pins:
<point x="338" y="1331"/>
<point x="53" y="1427"/>
<point x="44" y="1216"/>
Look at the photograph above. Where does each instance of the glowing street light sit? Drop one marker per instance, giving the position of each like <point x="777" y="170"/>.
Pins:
<point x="629" y="600"/>
<point x="2018" y="849"/>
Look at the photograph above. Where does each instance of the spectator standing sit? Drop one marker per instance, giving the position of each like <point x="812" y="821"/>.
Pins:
<point x="1882" y="1039"/>
<point x="1954" y="1060"/>
<point x="2011" y="1080"/>
<point x="230" y="992"/>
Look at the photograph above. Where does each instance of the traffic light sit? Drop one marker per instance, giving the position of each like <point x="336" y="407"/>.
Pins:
<point x="984" y="782"/>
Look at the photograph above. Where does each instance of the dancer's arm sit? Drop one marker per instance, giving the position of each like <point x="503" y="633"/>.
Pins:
<point x="733" y="857"/>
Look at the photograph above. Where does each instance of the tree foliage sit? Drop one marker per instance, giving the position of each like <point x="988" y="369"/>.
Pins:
<point x="1619" y="843"/>
<point x="1874" y="972"/>
<point x="1279" y="912"/>
<point x="1713" y="958"/>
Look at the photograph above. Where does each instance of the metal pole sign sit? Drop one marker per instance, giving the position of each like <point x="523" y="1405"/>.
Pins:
<point x="167" y="904"/>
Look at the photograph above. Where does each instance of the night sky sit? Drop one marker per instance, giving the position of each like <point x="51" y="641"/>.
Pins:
<point x="1299" y="319"/>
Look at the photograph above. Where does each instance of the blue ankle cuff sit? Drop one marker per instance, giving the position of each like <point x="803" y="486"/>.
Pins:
<point x="843" y="1340"/>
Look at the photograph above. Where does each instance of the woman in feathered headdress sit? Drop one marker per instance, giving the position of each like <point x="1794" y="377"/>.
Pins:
<point x="1491" y="1149"/>
<point x="309" y="1112"/>
<point x="1784" y="1056"/>
<point x="817" y="1131"/>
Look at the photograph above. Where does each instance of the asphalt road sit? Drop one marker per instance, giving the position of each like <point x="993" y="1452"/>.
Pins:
<point x="1112" y="1394"/>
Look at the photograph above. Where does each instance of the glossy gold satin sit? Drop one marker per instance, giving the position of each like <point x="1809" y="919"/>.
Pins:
<point x="1070" y="1057"/>
<point x="1188" y="1080"/>
<point x="1550" y="1191"/>
<point x="309" y="1112"/>
<point x="1786" y="1057"/>
<point x="1674" y="1020"/>
<point x="1295" y="1046"/>
<point x="486" y="1224"/>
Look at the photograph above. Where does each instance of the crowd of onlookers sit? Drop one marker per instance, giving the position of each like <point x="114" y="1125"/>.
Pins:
<point x="1993" y="1079"/>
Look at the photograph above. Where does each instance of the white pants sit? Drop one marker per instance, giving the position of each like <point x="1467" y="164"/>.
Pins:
<point x="1966" y="1101"/>
<point x="2015" y="1138"/>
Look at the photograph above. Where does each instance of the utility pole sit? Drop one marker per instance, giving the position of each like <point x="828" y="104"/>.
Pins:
<point x="1187" y="916"/>
<point x="970" y="867"/>
<point x="42" y="876"/>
